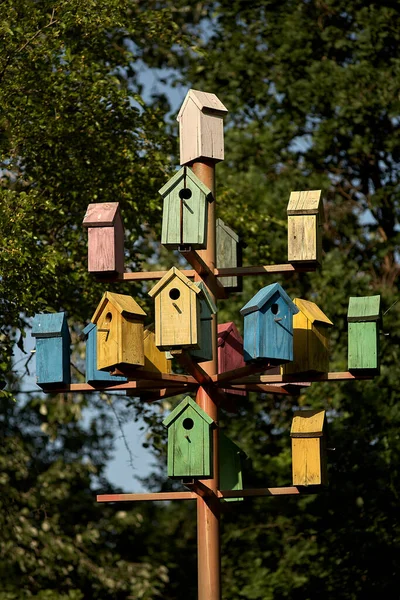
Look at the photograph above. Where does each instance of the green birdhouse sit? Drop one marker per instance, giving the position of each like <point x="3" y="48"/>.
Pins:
<point x="363" y="316"/>
<point x="207" y="310"/>
<point x="230" y="466"/>
<point x="189" y="441"/>
<point x="184" y="221"/>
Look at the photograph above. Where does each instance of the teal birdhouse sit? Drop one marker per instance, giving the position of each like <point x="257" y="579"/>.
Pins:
<point x="184" y="221"/>
<point x="230" y="466"/>
<point x="207" y="309"/>
<point x="52" y="349"/>
<point x="189" y="441"/>
<point x="363" y="316"/>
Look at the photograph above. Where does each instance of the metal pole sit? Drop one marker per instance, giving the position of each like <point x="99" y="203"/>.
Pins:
<point x="208" y="508"/>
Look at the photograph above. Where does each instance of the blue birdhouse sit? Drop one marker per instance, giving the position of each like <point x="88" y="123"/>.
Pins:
<point x="93" y="375"/>
<point x="268" y="326"/>
<point x="52" y="349"/>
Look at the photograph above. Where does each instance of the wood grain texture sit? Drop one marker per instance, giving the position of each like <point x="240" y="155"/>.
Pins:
<point x="305" y="203"/>
<point x="154" y="358"/>
<point x="207" y="309"/>
<point x="106" y="248"/>
<point x="230" y="352"/>
<point x="228" y="253"/>
<point x="363" y="346"/>
<point x="364" y="308"/>
<point x="93" y="374"/>
<point x="304" y="239"/>
<point x="52" y="350"/>
<point x="308" y="448"/>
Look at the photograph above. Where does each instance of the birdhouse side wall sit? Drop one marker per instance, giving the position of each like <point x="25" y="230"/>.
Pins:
<point x="92" y="373"/>
<point x="177" y="320"/>
<point x="230" y="357"/>
<point x="211" y="136"/>
<point x="230" y="471"/>
<point x="189" y="450"/>
<point x="363" y="346"/>
<point x="310" y="347"/>
<point x="227" y="256"/>
<point x="131" y="346"/>
<point x="154" y="359"/>
<point x="52" y="362"/>
<point x="308" y="461"/>
<point x="304" y="238"/>
<point x="205" y="351"/>
<point x="189" y="133"/>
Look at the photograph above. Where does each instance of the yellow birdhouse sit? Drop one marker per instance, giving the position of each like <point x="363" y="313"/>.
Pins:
<point x="311" y="332"/>
<point x="308" y="448"/>
<point x="177" y="311"/>
<point x="154" y="359"/>
<point x="305" y="217"/>
<point x="119" y="321"/>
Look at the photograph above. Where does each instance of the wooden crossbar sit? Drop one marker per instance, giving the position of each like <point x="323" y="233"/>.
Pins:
<point x="299" y="378"/>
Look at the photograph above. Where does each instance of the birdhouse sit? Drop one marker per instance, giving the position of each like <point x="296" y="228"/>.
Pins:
<point x="119" y="321"/>
<point x="311" y="330"/>
<point x="189" y="441"/>
<point x="230" y="352"/>
<point x="52" y="349"/>
<point x="207" y="310"/>
<point x="363" y="316"/>
<point x="230" y="466"/>
<point x="177" y="311"/>
<point x="93" y="375"/>
<point x="305" y="216"/>
<point x="154" y="359"/>
<point x="229" y="254"/>
<point x="309" y="448"/>
<point x="185" y="210"/>
<point x="268" y="326"/>
<point x="201" y="127"/>
<point x="105" y="238"/>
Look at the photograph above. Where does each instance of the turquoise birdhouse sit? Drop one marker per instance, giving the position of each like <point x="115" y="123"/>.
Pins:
<point x="52" y="349"/>
<point x="93" y="374"/>
<point x="185" y="211"/>
<point x="207" y="310"/>
<point x="268" y="326"/>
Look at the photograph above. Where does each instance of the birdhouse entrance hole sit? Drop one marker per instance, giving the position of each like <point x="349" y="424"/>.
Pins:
<point x="185" y="194"/>
<point x="174" y="294"/>
<point x="188" y="424"/>
<point x="108" y="318"/>
<point x="275" y="309"/>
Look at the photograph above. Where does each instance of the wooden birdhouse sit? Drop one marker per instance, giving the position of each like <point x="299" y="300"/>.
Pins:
<point x="105" y="238"/>
<point x="185" y="210"/>
<point x="119" y="321"/>
<point x="268" y="326"/>
<point x="229" y="254"/>
<point x="305" y="217"/>
<point x="207" y="310"/>
<point x="201" y="127"/>
<point x="311" y="331"/>
<point x="52" y="349"/>
<point x="230" y="352"/>
<point x="363" y="316"/>
<point x="154" y="359"/>
<point x="230" y="466"/>
<point x="177" y="311"/>
<point x="190" y="449"/>
<point x="309" y="448"/>
<point x="93" y="374"/>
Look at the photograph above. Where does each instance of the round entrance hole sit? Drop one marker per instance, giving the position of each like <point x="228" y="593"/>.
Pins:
<point x="108" y="318"/>
<point x="174" y="294"/>
<point x="275" y="309"/>
<point x="185" y="194"/>
<point x="188" y="423"/>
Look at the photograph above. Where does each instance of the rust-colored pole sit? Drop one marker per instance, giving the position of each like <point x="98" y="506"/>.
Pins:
<point x="208" y="508"/>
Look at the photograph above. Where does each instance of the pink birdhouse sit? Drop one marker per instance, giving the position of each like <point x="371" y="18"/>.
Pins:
<point x="230" y="351"/>
<point x="105" y="238"/>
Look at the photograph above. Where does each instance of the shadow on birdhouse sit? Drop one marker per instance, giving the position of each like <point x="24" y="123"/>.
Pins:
<point x="268" y="326"/>
<point x="190" y="449"/>
<point x="207" y="309"/>
<point x="105" y="238"/>
<point x="308" y="435"/>
<point x="230" y="352"/>
<point x="230" y="461"/>
<point x="177" y="312"/>
<point x="305" y="216"/>
<point x="154" y="359"/>
<point x="229" y="254"/>
<point x="52" y="349"/>
<point x="119" y="321"/>
<point x="93" y="374"/>
<point x="364" y="317"/>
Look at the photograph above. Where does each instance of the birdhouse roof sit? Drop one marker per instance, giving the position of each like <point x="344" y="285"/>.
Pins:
<point x="312" y="311"/>
<point x="308" y="423"/>
<point x="190" y="178"/>
<point x="227" y="230"/>
<point x="169" y="276"/>
<point x="366" y="308"/>
<point x="225" y="329"/>
<point x="262" y="297"/>
<point x="125" y="305"/>
<point x="305" y="203"/>
<point x="182" y="406"/>
<point x="89" y="327"/>
<point x="207" y="297"/>
<point x="49" y="325"/>
<point x="101" y="214"/>
<point x="206" y="102"/>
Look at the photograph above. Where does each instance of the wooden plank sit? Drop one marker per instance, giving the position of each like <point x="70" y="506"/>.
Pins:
<point x="308" y="423"/>
<point x="235" y="374"/>
<point x="111" y="387"/>
<point x="304" y="377"/>
<point x="200" y="267"/>
<point x="193" y="368"/>
<point x="279" y="491"/>
<point x="363" y="346"/>
<point x="161" y="394"/>
<point x="163" y="378"/>
<point x="306" y="461"/>
<point x="304" y="203"/>
<point x="154" y="497"/>
<point x="266" y="389"/>
<point x="364" y="308"/>
<point x="304" y="239"/>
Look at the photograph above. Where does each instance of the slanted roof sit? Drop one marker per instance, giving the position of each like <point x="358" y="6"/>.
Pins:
<point x="182" y="406"/>
<point x="205" y="101"/>
<point x="89" y="327"/>
<point x="49" y="325"/>
<point x="308" y="423"/>
<point x="312" y="311"/>
<point x="220" y="224"/>
<point x="206" y="297"/>
<point x="101" y="214"/>
<point x="308" y="202"/>
<point x="190" y="177"/>
<point x="174" y="272"/>
<point x="365" y="308"/>
<point x="262" y="297"/>
<point x="224" y="329"/>
<point x="125" y="305"/>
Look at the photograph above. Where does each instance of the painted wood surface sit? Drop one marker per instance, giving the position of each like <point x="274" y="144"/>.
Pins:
<point x="207" y="309"/>
<point x="93" y="374"/>
<point x="363" y="316"/>
<point x="154" y="358"/>
<point x="230" y="352"/>
<point x="201" y="130"/>
<point x="228" y="254"/>
<point x="309" y="448"/>
<point x="311" y="331"/>
<point x="364" y="309"/>
<point x="177" y="312"/>
<point x="105" y="238"/>
<point x="185" y="211"/>
<point x="52" y="350"/>
<point x="189" y="441"/>
<point x="230" y="461"/>
<point x="304" y="239"/>
<point x="119" y="321"/>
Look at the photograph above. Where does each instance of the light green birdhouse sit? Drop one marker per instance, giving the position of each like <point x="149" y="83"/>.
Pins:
<point x="207" y="310"/>
<point x="363" y="316"/>
<point x="185" y="211"/>
<point x="190" y="449"/>
<point x="229" y="254"/>
<point x="230" y="466"/>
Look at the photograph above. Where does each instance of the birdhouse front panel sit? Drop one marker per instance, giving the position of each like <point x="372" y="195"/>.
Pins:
<point x="305" y="215"/>
<point x="52" y="349"/>
<point x="93" y="375"/>
<point x="230" y="466"/>
<point x="309" y="448"/>
<point x="105" y="238"/>
<point x="364" y="315"/>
